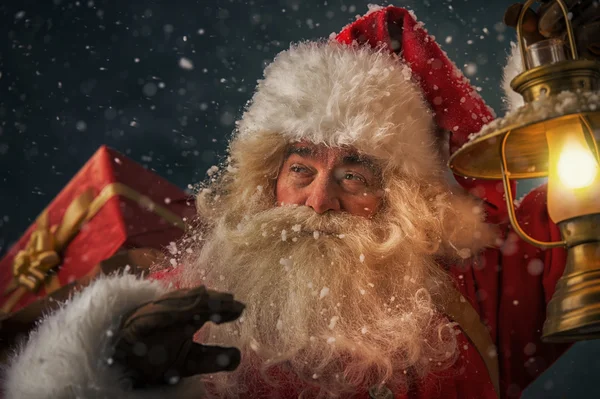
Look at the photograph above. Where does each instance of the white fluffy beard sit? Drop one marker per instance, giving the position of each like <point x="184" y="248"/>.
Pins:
<point x="340" y="301"/>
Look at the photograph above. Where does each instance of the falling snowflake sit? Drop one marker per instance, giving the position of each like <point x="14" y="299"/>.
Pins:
<point x="212" y="170"/>
<point x="535" y="267"/>
<point x="333" y="322"/>
<point x="186" y="63"/>
<point x="172" y="247"/>
<point x="286" y="263"/>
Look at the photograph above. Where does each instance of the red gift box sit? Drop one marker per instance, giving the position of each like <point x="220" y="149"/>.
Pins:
<point x="112" y="204"/>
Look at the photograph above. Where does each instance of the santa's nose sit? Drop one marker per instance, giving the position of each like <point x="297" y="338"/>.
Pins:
<point x="322" y="195"/>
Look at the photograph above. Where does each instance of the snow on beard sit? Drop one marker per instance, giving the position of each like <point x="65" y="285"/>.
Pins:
<point x="320" y="289"/>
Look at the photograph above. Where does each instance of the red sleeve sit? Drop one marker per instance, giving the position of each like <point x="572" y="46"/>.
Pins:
<point x="528" y="278"/>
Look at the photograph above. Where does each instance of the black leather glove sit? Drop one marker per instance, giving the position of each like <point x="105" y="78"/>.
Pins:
<point x="155" y="342"/>
<point x="548" y="21"/>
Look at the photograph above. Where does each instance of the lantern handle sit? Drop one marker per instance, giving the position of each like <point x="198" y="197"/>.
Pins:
<point x="568" y="25"/>
<point x="589" y="137"/>
<point x="511" y="209"/>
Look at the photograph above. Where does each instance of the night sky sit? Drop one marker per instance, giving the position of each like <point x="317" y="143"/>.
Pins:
<point x="164" y="81"/>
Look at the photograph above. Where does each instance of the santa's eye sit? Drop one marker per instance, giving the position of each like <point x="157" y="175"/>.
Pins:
<point x="355" y="177"/>
<point x="299" y="169"/>
<point x="350" y="177"/>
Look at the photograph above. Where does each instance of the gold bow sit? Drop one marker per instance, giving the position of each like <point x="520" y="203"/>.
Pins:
<point x="41" y="254"/>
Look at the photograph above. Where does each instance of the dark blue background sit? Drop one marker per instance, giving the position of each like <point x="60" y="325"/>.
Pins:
<point x="78" y="74"/>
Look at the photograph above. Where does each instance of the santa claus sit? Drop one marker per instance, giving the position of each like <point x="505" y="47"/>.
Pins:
<point x="364" y="271"/>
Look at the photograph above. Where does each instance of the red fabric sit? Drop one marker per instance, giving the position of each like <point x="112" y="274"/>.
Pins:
<point x="528" y="279"/>
<point x="511" y="287"/>
<point x="456" y="105"/>
<point x="121" y="223"/>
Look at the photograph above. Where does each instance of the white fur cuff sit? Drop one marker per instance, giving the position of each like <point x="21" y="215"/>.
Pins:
<point x="67" y="355"/>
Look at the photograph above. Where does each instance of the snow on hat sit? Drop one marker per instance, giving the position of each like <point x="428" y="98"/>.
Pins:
<point x="354" y="90"/>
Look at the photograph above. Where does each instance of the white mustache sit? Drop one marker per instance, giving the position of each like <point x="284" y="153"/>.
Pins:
<point x="302" y="220"/>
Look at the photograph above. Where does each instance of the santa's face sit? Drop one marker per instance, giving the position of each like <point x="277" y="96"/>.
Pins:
<point x="341" y="269"/>
<point x="344" y="267"/>
<point x="329" y="179"/>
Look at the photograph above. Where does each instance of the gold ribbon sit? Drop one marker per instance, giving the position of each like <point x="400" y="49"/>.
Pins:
<point x="41" y="254"/>
<point x="32" y="264"/>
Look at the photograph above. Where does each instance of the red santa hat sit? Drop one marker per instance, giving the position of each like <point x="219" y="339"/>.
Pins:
<point x="354" y="90"/>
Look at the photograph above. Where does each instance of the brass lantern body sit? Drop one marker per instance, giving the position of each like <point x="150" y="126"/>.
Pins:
<point x="526" y="146"/>
<point x="574" y="311"/>
<point x="516" y="147"/>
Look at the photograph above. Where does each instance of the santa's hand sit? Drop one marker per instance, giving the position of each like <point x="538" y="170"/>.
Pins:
<point x="549" y="22"/>
<point x="155" y="342"/>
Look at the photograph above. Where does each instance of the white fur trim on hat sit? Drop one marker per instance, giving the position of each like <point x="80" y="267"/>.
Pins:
<point x="336" y="94"/>
<point x="513" y="67"/>
<point x="67" y="355"/>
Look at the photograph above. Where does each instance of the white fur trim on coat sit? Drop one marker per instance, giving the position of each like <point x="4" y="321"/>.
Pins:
<point x="337" y="94"/>
<point x="513" y="67"/>
<point x="66" y="356"/>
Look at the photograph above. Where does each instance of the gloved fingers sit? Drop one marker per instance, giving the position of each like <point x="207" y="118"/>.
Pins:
<point x="204" y="359"/>
<point x="581" y="12"/>
<point x="511" y="17"/>
<point x="587" y="38"/>
<point x="218" y="307"/>
<point x="200" y="305"/>
<point x="162" y="312"/>
<point x="193" y="306"/>
<point x="530" y="22"/>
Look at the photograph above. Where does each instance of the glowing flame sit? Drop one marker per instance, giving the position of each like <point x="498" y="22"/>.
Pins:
<point x="577" y="167"/>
